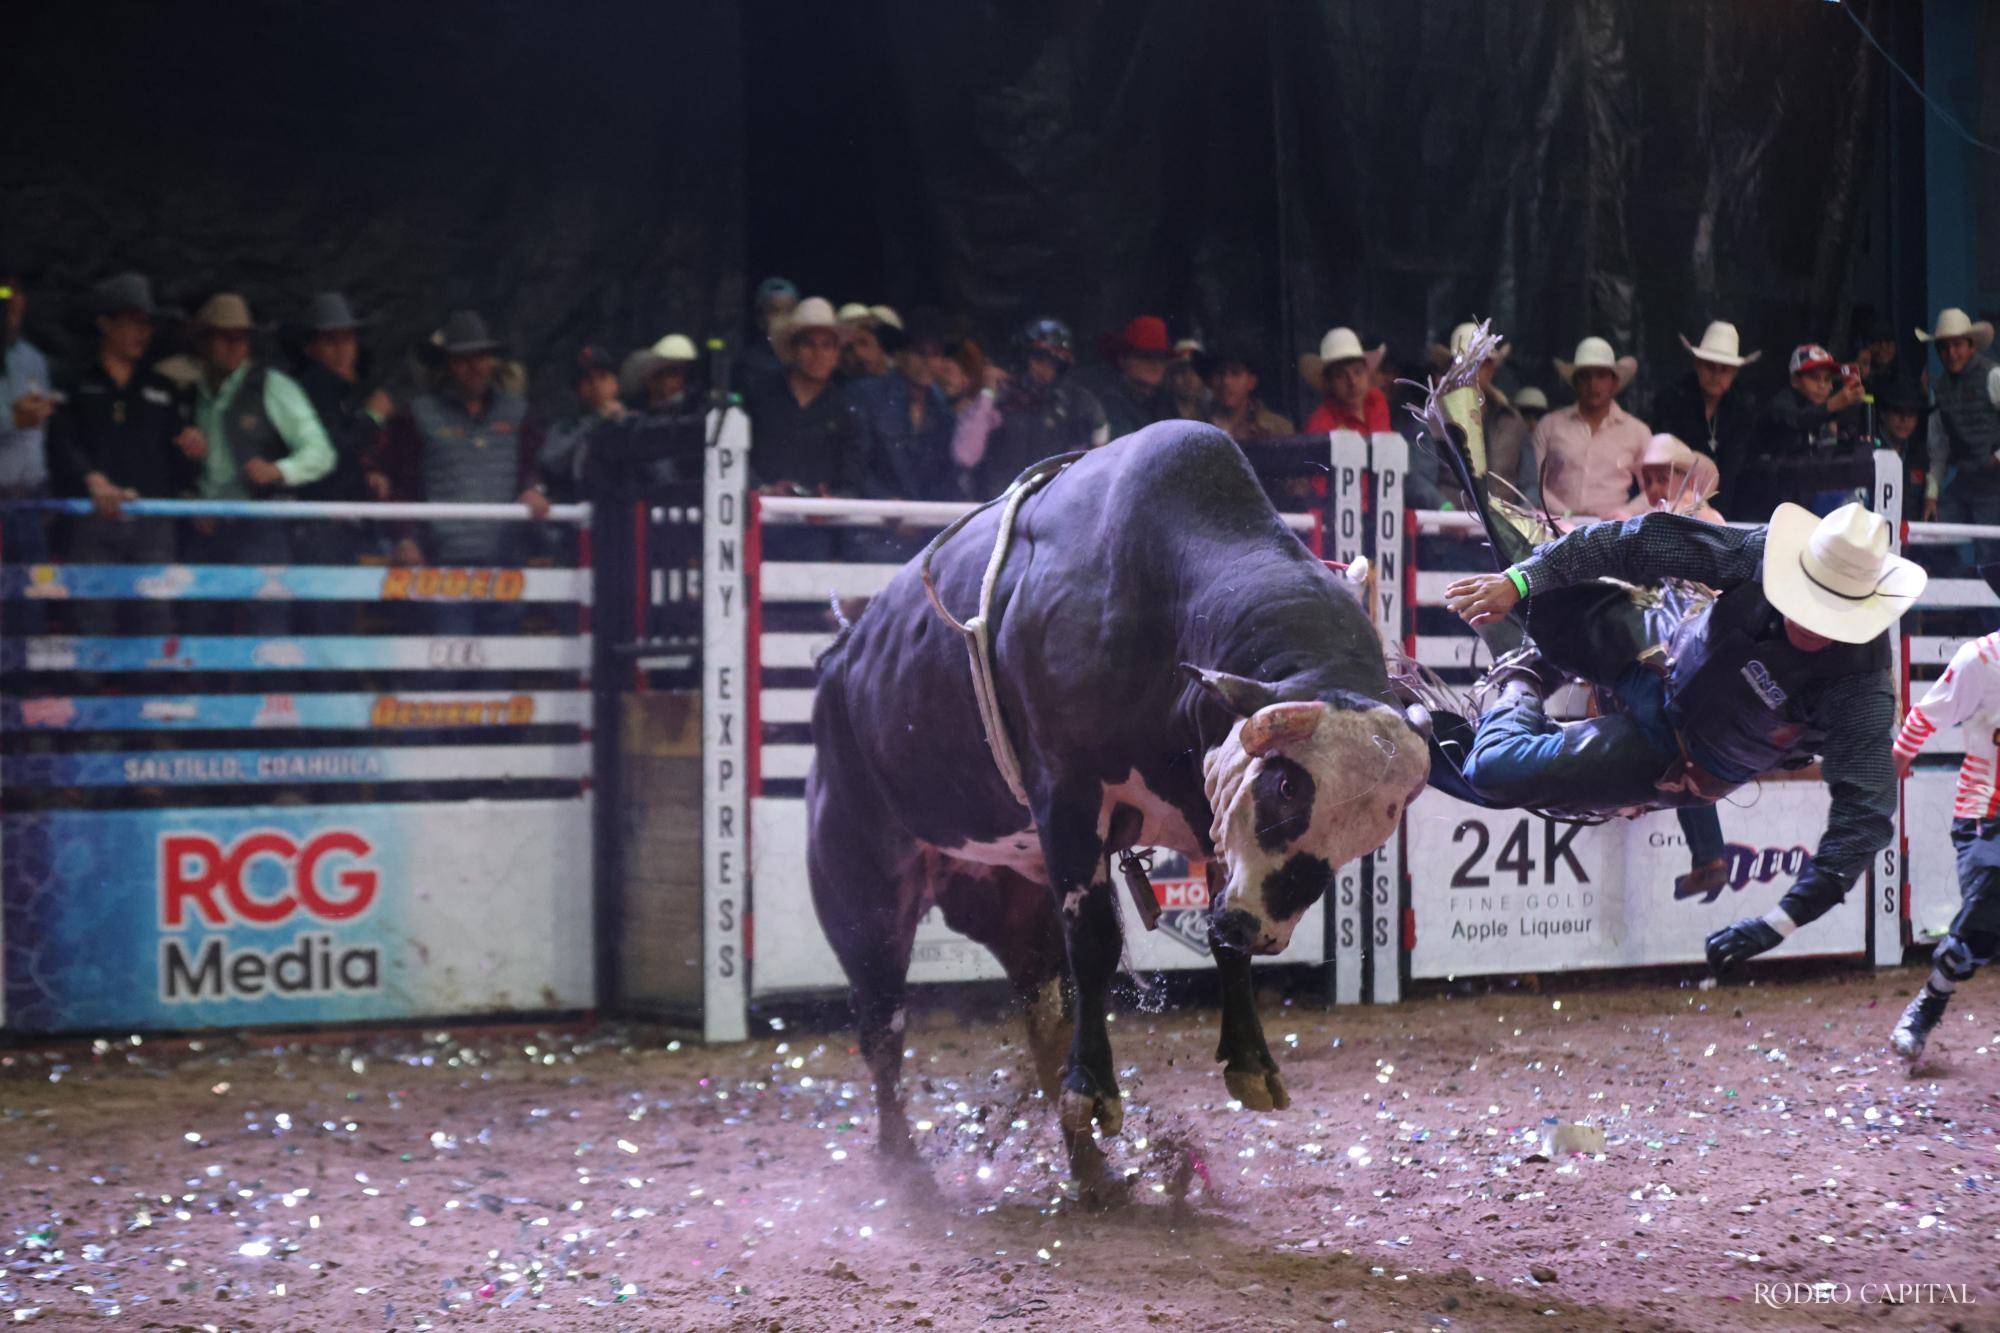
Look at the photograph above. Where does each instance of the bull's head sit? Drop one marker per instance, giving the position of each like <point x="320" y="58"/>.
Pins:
<point x="1299" y="788"/>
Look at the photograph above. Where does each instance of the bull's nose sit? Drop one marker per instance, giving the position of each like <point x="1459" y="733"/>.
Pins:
<point x="1235" y="929"/>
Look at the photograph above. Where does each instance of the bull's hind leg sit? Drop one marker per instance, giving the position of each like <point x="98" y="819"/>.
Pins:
<point x="868" y="889"/>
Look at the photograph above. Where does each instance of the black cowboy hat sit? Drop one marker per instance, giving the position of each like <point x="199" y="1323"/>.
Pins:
<point x="1904" y="396"/>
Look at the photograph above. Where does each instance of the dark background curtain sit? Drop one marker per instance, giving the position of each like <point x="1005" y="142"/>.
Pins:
<point x="1258" y="171"/>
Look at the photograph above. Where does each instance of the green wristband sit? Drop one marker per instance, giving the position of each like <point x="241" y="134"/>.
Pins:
<point x="1519" y="581"/>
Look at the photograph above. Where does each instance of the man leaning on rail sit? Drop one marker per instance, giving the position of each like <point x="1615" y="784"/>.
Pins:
<point x="1790" y="659"/>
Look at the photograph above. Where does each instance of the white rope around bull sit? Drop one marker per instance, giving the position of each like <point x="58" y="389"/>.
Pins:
<point x="978" y="630"/>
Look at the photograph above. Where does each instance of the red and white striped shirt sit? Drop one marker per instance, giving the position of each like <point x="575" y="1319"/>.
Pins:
<point x="1967" y="695"/>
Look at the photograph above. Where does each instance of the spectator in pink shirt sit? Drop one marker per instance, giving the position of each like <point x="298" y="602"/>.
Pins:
<point x="1590" y="451"/>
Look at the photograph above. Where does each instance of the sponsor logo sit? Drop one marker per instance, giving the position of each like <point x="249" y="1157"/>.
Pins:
<point x="169" y="710"/>
<point x="45" y="582"/>
<point x="58" y="712"/>
<point x="170" y="581"/>
<point x="264" y="879"/>
<point x="516" y="710"/>
<point x="1767" y="689"/>
<point x="1181" y="886"/>
<point x="273" y="588"/>
<point x="457" y="653"/>
<point x="1759" y="865"/>
<point x="277" y="710"/>
<point x="453" y="585"/>
<point x="51" y="654"/>
<point x="279" y="653"/>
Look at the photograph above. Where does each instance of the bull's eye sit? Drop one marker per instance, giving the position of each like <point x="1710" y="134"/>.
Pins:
<point x="1283" y="798"/>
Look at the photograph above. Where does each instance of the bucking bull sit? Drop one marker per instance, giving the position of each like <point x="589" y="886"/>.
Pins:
<point x="1172" y="668"/>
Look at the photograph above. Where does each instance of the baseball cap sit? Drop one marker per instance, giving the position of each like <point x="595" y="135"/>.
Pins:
<point x="1811" y="356"/>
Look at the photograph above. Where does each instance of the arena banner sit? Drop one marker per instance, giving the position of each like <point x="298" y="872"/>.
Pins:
<point x="1933" y="864"/>
<point x="791" y="953"/>
<point x="728" y="625"/>
<point x="163" y="919"/>
<point x="221" y="768"/>
<point x="290" y="583"/>
<point x="387" y="710"/>
<point x="1505" y="891"/>
<point x="306" y="652"/>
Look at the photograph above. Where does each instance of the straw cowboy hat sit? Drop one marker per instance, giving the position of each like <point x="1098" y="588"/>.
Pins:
<point x="1955" y="323"/>
<point x="1719" y="345"/>
<point x="1341" y="344"/>
<point x="815" y="312"/>
<point x="1836" y="576"/>
<point x="1441" y="354"/>
<point x="1595" y="354"/>
<point x="674" y="349"/>
<point x="224" y="312"/>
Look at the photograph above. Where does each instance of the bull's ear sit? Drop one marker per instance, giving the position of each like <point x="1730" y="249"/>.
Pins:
<point x="1239" y="694"/>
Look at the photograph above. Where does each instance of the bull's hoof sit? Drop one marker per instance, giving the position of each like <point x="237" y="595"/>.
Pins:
<point x="1079" y="1109"/>
<point x="1258" y="1090"/>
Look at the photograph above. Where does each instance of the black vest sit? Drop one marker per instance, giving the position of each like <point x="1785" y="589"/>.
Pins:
<point x="248" y="425"/>
<point x="1739" y="693"/>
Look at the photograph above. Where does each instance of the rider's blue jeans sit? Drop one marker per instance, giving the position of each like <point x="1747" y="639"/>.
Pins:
<point x="1521" y="758"/>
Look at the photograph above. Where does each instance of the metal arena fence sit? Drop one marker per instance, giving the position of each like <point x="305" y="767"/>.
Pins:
<point x="575" y="778"/>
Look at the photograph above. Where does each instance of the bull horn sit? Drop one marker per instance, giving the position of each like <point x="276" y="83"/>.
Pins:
<point x="1239" y="694"/>
<point x="1419" y="718"/>
<point x="1280" y="725"/>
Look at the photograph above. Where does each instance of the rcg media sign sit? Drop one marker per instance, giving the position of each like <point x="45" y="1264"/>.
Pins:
<point x="227" y="918"/>
<point x="271" y="881"/>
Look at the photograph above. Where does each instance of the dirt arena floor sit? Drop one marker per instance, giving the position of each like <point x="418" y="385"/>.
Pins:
<point x="603" y="1178"/>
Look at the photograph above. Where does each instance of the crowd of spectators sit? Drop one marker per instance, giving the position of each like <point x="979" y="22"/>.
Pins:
<point x="863" y="400"/>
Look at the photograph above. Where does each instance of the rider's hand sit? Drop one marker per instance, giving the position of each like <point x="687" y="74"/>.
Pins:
<point x="1482" y="597"/>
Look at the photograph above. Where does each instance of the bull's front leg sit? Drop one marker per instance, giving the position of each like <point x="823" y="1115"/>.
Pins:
<point x="1080" y="878"/>
<point x="1248" y="1070"/>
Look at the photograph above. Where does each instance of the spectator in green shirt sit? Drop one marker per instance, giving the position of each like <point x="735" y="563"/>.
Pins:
<point x="264" y="440"/>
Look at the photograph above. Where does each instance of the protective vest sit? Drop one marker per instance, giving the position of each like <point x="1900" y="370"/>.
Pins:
<point x="1971" y="422"/>
<point x="1739" y="693"/>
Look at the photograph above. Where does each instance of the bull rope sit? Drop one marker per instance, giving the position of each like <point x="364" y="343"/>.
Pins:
<point x="978" y="631"/>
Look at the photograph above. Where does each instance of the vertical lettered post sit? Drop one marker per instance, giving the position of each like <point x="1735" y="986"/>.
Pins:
<point x="1885" y="902"/>
<point x="725" y="799"/>
<point x="1389" y="459"/>
<point x="1344" y="922"/>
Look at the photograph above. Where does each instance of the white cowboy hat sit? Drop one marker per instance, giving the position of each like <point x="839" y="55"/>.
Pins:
<point x="1596" y="354"/>
<point x="815" y="312"/>
<point x="1531" y="399"/>
<point x="882" y="314"/>
<point x="1342" y="344"/>
<point x="856" y="312"/>
<point x="673" y="349"/>
<point x="1442" y="353"/>
<point x="1836" y="576"/>
<point x="1955" y="323"/>
<point x="1719" y="345"/>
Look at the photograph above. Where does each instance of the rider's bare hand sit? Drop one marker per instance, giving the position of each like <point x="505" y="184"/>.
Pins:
<point x="1482" y="597"/>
